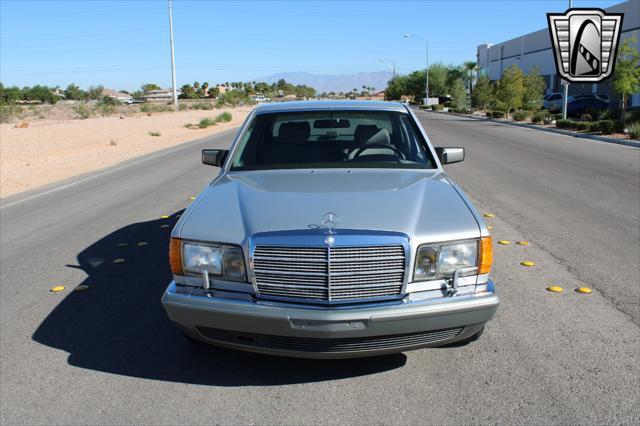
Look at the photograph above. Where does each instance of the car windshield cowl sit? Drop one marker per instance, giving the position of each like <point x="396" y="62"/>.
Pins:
<point x="332" y="139"/>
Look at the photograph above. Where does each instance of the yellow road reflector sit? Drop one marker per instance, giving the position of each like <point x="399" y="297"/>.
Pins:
<point x="165" y="226"/>
<point x="123" y="244"/>
<point x="585" y="290"/>
<point x="119" y="260"/>
<point x="504" y="242"/>
<point x="56" y="289"/>
<point x="192" y="197"/>
<point x="81" y="287"/>
<point x="142" y="244"/>
<point x="164" y="216"/>
<point x="489" y="228"/>
<point x="522" y="243"/>
<point x="489" y="215"/>
<point x="555" y="289"/>
<point x="528" y="263"/>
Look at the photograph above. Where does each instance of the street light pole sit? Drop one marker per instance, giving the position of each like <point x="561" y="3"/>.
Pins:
<point x="393" y="65"/>
<point x="173" y="63"/>
<point x="566" y="87"/>
<point x="426" y="43"/>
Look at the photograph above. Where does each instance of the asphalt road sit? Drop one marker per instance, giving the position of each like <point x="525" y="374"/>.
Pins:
<point x="109" y="355"/>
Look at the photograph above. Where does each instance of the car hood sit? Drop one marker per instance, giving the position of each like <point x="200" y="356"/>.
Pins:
<point x="421" y="204"/>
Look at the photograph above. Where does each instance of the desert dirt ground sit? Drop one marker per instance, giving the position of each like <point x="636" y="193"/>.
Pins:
<point x="49" y="150"/>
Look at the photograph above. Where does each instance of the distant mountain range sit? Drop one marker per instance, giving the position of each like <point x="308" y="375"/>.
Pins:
<point x="334" y="82"/>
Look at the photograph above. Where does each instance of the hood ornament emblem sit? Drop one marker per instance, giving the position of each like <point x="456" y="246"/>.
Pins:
<point x="330" y="221"/>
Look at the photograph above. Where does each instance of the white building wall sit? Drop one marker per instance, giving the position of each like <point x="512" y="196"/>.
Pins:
<point x="534" y="49"/>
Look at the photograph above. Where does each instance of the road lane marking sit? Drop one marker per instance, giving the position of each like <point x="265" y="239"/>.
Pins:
<point x="555" y="289"/>
<point x="57" y="289"/>
<point x="528" y="263"/>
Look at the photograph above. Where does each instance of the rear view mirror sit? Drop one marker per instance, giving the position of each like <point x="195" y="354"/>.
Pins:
<point x="214" y="157"/>
<point x="334" y="123"/>
<point x="450" y="155"/>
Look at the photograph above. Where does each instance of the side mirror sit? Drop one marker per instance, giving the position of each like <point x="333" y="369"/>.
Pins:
<point x="450" y="155"/>
<point x="214" y="157"/>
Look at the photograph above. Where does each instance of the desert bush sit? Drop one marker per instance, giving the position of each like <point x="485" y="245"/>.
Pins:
<point x="106" y="109"/>
<point x="206" y="122"/>
<point x="182" y="107"/>
<point x="498" y="114"/>
<point x="603" y="126"/>
<point x="595" y="114"/>
<point x="156" y="108"/>
<point x="634" y="130"/>
<point x="83" y="111"/>
<point x="155" y="134"/>
<point x="564" y="124"/>
<point x="437" y="107"/>
<point x="632" y="117"/>
<point x="540" y="116"/>
<point x="9" y="112"/>
<point x="586" y="117"/>
<point x="582" y="126"/>
<point x="224" y="117"/>
<point x="202" y="105"/>
<point x="520" y="115"/>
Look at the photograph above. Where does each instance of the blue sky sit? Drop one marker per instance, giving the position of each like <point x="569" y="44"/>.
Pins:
<point x="122" y="44"/>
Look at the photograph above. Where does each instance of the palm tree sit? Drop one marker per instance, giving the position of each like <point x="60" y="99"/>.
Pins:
<point x="470" y="67"/>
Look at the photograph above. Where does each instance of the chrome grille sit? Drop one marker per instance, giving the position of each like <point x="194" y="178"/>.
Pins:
<point x="329" y="274"/>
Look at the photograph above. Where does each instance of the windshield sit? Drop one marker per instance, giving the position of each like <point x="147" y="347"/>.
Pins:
<point x="332" y="139"/>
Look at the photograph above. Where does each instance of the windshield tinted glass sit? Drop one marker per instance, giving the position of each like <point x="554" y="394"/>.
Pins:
<point x="332" y="139"/>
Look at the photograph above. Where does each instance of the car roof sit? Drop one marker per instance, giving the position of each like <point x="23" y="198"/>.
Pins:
<point x="299" y="106"/>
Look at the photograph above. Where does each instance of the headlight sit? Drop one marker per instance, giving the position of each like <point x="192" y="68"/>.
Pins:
<point x="218" y="260"/>
<point x="437" y="261"/>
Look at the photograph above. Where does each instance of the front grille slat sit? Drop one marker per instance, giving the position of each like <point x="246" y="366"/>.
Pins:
<point x="321" y="273"/>
<point x="304" y="344"/>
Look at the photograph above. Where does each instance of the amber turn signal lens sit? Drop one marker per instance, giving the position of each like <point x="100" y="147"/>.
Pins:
<point x="175" y="255"/>
<point x="486" y="255"/>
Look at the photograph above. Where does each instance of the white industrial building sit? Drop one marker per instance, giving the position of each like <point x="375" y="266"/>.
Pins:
<point x="535" y="49"/>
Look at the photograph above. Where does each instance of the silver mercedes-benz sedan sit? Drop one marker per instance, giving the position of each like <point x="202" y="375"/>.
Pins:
<point x="331" y="230"/>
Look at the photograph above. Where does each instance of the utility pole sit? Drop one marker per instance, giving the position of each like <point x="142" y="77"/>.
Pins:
<point x="566" y="87"/>
<point x="173" y="62"/>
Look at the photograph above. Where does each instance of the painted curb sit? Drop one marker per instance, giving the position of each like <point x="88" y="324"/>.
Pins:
<point x="630" y="143"/>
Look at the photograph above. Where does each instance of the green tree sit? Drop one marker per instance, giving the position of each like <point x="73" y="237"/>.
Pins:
<point x="214" y="92"/>
<point x="534" y="86"/>
<point x="40" y="93"/>
<point x="95" y="92"/>
<point x="510" y="89"/>
<point x="482" y="93"/>
<point x="150" y="86"/>
<point x="73" y="92"/>
<point x="437" y="80"/>
<point x="626" y="77"/>
<point x="9" y="94"/>
<point x="459" y="93"/>
<point x="470" y="68"/>
<point x="187" y="92"/>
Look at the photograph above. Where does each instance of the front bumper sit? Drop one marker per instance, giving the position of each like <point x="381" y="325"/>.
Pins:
<point x="313" y="332"/>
